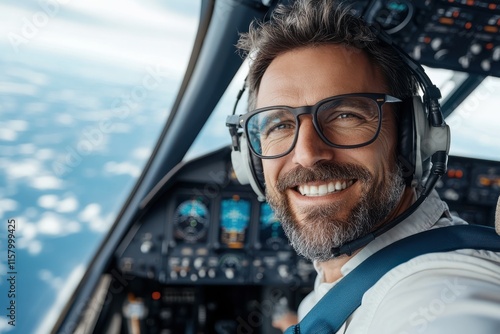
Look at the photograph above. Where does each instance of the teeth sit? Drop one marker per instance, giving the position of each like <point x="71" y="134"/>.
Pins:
<point x="323" y="189"/>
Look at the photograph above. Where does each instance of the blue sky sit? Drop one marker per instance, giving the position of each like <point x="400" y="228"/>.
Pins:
<point x="85" y="88"/>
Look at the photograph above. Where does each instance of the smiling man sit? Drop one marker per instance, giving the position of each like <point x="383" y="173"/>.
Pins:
<point x="331" y="111"/>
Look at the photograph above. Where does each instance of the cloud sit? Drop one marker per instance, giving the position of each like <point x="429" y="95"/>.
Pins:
<point x="142" y="153"/>
<point x="122" y="168"/>
<point x="7" y="204"/>
<point x="12" y="88"/>
<point x="4" y="325"/>
<point x="91" y="214"/>
<point x="46" y="182"/>
<point x="27" y="234"/>
<point x="52" y="202"/>
<point x="54" y="224"/>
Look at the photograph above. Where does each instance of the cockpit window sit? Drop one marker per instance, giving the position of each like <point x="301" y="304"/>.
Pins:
<point x="85" y="88"/>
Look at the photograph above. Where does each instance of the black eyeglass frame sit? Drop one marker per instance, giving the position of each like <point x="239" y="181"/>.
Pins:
<point x="240" y="121"/>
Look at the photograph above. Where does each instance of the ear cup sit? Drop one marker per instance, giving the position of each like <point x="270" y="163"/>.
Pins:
<point x="248" y="168"/>
<point x="418" y="140"/>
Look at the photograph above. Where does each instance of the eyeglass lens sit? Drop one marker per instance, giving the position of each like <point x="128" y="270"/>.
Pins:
<point x="343" y="121"/>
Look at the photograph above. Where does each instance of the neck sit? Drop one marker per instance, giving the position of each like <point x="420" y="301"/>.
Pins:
<point x="332" y="268"/>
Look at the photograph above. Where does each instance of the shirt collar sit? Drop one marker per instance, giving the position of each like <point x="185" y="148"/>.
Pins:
<point x="425" y="217"/>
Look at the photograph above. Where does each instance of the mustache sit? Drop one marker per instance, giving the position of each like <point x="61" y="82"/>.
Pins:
<point x="322" y="171"/>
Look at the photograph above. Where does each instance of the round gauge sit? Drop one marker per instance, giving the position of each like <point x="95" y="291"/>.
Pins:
<point x="191" y="220"/>
<point x="394" y="15"/>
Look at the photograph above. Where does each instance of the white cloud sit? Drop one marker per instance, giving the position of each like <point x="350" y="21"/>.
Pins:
<point x="46" y="182"/>
<point x="36" y="107"/>
<point x="28" y="75"/>
<point x="122" y="168"/>
<point x="12" y="88"/>
<point x="27" y="149"/>
<point x="91" y="214"/>
<point x="45" y="154"/>
<point x="8" y="134"/>
<point x="4" y="325"/>
<point x="142" y="153"/>
<point x="7" y="204"/>
<point x="22" y="169"/>
<point x="56" y="225"/>
<point x="48" y="201"/>
<point x="27" y="234"/>
<point x="69" y="204"/>
<point x="48" y="277"/>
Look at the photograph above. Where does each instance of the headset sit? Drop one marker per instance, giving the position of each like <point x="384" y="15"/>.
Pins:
<point x="423" y="139"/>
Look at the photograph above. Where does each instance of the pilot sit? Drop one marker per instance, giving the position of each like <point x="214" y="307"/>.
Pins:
<point x="327" y="120"/>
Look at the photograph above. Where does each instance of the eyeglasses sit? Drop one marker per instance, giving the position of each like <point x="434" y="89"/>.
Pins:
<point x="343" y="121"/>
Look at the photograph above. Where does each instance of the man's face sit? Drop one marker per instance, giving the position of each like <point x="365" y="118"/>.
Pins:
<point x="366" y="183"/>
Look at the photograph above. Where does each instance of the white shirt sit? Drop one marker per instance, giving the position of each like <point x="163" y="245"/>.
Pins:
<point x="453" y="292"/>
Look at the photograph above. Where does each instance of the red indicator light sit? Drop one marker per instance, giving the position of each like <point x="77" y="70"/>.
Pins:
<point x="489" y="46"/>
<point x="492" y="6"/>
<point x="156" y="295"/>
<point x="468" y="25"/>
<point x="459" y="174"/>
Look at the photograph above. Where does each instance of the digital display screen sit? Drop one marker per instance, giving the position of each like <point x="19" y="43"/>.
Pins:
<point x="271" y="233"/>
<point x="235" y="218"/>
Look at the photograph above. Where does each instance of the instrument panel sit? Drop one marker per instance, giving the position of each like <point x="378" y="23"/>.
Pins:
<point x="461" y="35"/>
<point x="208" y="253"/>
<point x="211" y="230"/>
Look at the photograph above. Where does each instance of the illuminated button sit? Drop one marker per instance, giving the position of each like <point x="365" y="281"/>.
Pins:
<point x="156" y="295"/>
<point x="229" y="273"/>
<point x="198" y="262"/>
<point x="491" y="29"/>
<point x="436" y="43"/>
<point x="193" y="277"/>
<point x="202" y="273"/>
<point x="475" y="48"/>
<point x="486" y="65"/>
<point x="459" y="174"/>
<point x="468" y="25"/>
<point x="146" y="246"/>
<point x="496" y="54"/>
<point x="446" y="20"/>
<point x="211" y="273"/>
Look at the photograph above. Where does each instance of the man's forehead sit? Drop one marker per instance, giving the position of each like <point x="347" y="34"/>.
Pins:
<point x="307" y="75"/>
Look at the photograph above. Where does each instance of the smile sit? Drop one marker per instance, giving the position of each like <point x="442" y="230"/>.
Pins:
<point x="324" y="189"/>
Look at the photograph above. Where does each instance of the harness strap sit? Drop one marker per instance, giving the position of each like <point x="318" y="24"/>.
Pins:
<point x="346" y="295"/>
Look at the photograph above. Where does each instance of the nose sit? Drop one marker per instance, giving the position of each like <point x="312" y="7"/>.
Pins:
<point x="310" y="148"/>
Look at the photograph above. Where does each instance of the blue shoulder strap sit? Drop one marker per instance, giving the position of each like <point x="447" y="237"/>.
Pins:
<point x="346" y="295"/>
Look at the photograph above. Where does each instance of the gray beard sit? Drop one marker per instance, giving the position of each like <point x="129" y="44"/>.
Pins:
<point x="316" y="235"/>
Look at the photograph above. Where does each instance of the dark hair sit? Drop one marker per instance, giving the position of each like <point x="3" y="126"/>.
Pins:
<point x="318" y="22"/>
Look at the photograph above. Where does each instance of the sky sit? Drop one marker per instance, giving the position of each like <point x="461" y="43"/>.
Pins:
<point x="85" y="88"/>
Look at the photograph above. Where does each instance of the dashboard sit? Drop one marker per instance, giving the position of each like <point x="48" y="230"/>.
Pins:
<point x="207" y="254"/>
